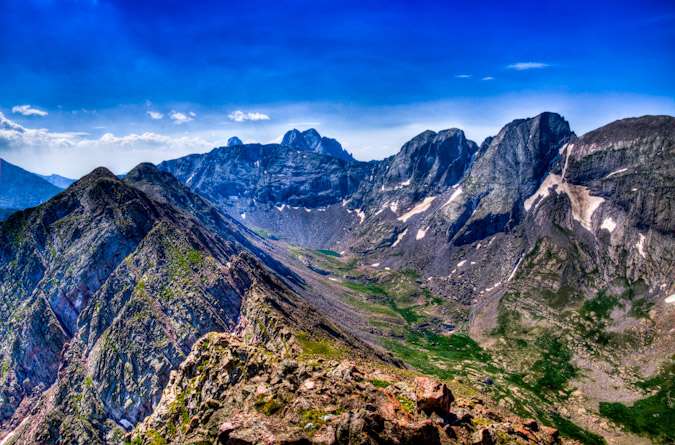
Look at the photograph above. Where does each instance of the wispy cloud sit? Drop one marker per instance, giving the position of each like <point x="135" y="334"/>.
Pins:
<point x="155" y="115"/>
<point x="179" y="118"/>
<point x="27" y="110"/>
<point x="527" y="66"/>
<point x="488" y="78"/>
<point x="240" y="116"/>
<point x="463" y="76"/>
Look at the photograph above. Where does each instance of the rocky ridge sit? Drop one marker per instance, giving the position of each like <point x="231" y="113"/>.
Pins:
<point x="311" y="140"/>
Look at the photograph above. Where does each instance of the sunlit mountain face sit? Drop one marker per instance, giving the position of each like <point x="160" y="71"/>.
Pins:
<point x="355" y="223"/>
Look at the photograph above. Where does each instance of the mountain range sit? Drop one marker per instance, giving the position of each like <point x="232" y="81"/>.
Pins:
<point x="511" y="291"/>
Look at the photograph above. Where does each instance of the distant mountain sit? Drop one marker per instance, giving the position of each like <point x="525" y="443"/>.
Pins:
<point x="311" y="140"/>
<point x="58" y="180"/>
<point x="20" y="189"/>
<point x="234" y="141"/>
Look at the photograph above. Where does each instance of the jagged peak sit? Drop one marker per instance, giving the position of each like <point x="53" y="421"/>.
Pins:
<point x="234" y="141"/>
<point x="311" y="140"/>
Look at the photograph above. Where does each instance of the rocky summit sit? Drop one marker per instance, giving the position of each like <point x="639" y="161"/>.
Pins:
<point x="311" y="140"/>
<point x="510" y="291"/>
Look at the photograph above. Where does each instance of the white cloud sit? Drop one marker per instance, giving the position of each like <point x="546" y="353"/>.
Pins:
<point x="193" y="114"/>
<point x="74" y="154"/>
<point x="240" y="116"/>
<point x="154" y="115"/>
<point x="26" y="110"/>
<point x="488" y="78"/>
<point x="527" y="66"/>
<point x="179" y="118"/>
<point x="463" y="76"/>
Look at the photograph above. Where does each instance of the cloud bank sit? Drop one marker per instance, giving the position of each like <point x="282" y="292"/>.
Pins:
<point x="74" y="154"/>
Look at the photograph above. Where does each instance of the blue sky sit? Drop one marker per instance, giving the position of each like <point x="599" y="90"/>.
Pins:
<point x="116" y="83"/>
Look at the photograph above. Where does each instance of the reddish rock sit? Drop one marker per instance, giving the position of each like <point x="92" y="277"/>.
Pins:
<point x="433" y="396"/>
<point x="387" y="404"/>
<point x="553" y="433"/>
<point x="531" y="425"/>
<point x="522" y="432"/>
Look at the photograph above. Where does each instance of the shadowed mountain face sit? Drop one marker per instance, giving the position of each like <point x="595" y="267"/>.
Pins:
<point x="311" y="140"/>
<point x="20" y="189"/>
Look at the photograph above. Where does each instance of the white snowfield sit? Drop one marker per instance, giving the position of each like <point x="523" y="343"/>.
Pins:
<point x="583" y="203"/>
<point x="419" y="208"/>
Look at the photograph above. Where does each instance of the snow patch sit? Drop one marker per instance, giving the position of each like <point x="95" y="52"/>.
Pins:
<point x="616" y="172"/>
<point x="515" y="269"/>
<point x="608" y="224"/>
<point x="544" y="189"/>
<point x="375" y="265"/>
<point x="461" y="263"/>
<point x="399" y="238"/>
<point x="243" y="215"/>
<point x="670" y="299"/>
<point x="583" y="203"/>
<point x="641" y="246"/>
<point x="283" y="206"/>
<point x="403" y="184"/>
<point x="308" y="210"/>
<point x="333" y="279"/>
<point x="454" y="196"/>
<point x="387" y="268"/>
<point x="361" y="215"/>
<point x="189" y="180"/>
<point x="420" y="234"/>
<point x="419" y="208"/>
<point x="478" y="246"/>
<point x="394" y="206"/>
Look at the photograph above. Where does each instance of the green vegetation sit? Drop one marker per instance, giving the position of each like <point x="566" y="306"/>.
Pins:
<point x="265" y="234"/>
<point x="653" y="416"/>
<point x="571" y="431"/>
<point x="555" y="365"/>
<point x="435" y="354"/>
<point x="379" y="383"/>
<point x="407" y="404"/>
<point x="602" y="305"/>
<point x="316" y="347"/>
